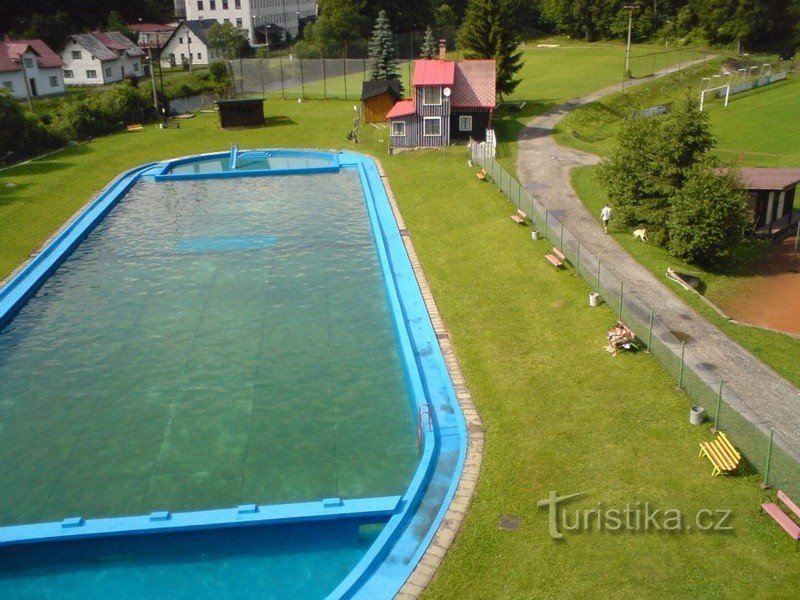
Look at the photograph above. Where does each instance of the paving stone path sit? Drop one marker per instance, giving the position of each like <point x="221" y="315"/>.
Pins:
<point x="752" y="388"/>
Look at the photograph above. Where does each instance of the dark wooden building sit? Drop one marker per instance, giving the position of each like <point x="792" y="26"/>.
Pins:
<point x="379" y="97"/>
<point x="771" y="193"/>
<point x="451" y="101"/>
<point x="244" y="112"/>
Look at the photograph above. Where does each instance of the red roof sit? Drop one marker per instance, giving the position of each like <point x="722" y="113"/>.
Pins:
<point x="108" y="42"/>
<point x="474" y="85"/>
<point x="433" y="72"/>
<point x="14" y="49"/>
<point x="150" y="27"/>
<point x="402" y="109"/>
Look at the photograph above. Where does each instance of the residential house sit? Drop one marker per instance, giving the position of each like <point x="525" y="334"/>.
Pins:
<point x="379" y="97"/>
<point x="29" y="68"/>
<point x="189" y="44"/>
<point x="258" y="17"/>
<point x="451" y="101"/>
<point x="152" y="36"/>
<point x="100" y="57"/>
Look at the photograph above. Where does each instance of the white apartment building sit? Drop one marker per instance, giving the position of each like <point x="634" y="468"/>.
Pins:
<point x="257" y="17"/>
<point x="100" y="57"/>
<point x="29" y="68"/>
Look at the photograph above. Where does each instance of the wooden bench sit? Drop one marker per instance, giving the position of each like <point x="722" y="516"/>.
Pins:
<point x="555" y="257"/>
<point x="782" y="518"/>
<point x="135" y="127"/>
<point x="519" y="217"/>
<point x="722" y="454"/>
<point x="482" y="175"/>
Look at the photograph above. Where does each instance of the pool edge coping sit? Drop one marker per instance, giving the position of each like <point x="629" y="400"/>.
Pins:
<point x="456" y="513"/>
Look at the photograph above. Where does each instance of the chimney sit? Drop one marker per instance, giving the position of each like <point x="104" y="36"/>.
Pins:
<point x="442" y="49"/>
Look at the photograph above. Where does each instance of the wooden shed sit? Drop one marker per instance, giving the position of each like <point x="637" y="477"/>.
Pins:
<point x="244" y="112"/>
<point x="772" y="193"/>
<point x="379" y="97"/>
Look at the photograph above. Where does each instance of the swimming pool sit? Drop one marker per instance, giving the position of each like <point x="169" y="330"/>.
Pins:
<point x="286" y="359"/>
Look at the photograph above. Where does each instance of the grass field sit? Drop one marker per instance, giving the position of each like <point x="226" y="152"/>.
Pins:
<point x="560" y="413"/>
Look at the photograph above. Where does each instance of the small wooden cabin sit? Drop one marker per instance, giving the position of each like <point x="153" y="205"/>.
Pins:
<point x="771" y="193"/>
<point x="379" y="97"/>
<point x="244" y="112"/>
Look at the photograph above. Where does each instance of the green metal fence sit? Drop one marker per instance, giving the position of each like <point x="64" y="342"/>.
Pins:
<point x="764" y="450"/>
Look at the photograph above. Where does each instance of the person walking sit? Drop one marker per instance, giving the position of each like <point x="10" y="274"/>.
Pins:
<point x="605" y="216"/>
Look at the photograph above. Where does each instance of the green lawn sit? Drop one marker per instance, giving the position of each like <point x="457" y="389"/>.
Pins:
<point x="560" y="413"/>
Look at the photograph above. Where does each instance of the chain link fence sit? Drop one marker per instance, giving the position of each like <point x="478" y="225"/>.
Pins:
<point x="764" y="449"/>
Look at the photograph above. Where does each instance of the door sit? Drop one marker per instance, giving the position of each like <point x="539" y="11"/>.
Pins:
<point x="32" y="81"/>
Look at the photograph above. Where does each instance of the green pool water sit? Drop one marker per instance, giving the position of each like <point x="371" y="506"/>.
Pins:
<point x="211" y="343"/>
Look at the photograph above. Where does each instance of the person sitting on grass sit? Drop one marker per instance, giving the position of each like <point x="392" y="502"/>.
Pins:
<point x="618" y="337"/>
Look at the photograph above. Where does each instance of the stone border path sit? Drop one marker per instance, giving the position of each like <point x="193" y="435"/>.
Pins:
<point x="457" y="511"/>
<point x="753" y="389"/>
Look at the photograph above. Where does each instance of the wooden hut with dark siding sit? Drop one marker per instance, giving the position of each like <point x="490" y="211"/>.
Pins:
<point x="378" y="98"/>
<point x="451" y="100"/>
<point x="771" y="193"/>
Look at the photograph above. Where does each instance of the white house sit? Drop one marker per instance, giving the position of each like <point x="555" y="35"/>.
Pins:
<point x="189" y="44"/>
<point x="257" y="17"/>
<point x="100" y="57"/>
<point x="29" y="68"/>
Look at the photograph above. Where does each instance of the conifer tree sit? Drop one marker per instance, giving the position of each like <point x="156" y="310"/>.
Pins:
<point x="382" y="51"/>
<point x="429" y="47"/>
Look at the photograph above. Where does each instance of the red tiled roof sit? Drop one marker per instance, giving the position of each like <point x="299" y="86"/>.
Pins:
<point x="433" y="72"/>
<point x="108" y="42"/>
<point x="11" y="49"/>
<point x="402" y="109"/>
<point x="769" y="179"/>
<point x="150" y="27"/>
<point x="474" y="85"/>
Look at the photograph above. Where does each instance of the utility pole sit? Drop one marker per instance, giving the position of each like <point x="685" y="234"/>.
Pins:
<point x="26" y="81"/>
<point x="631" y="8"/>
<point x="153" y="77"/>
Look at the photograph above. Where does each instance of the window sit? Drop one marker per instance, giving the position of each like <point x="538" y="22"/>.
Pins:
<point x="76" y="54"/>
<point x="199" y="4"/>
<point x="9" y="85"/>
<point x="212" y="4"/>
<point x="226" y="20"/>
<point x="432" y="126"/>
<point x="180" y="40"/>
<point x="199" y="56"/>
<point x="135" y="67"/>
<point x="53" y="81"/>
<point x="399" y="128"/>
<point x="91" y="74"/>
<point x="237" y="3"/>
<point x="431" y="96"/>
<point x="465" y="123"/>
<point x="224" y="4"/>
<point x="238" y="22"/>
<point x="68" y="74"/>
<point x="28" y="62"/>
<point x="108" y="72"/>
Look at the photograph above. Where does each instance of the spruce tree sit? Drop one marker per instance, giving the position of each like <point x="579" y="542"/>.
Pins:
<point x="382" y="51"/>
<point x="488" y="32"/>
<point x="429" y="47"/>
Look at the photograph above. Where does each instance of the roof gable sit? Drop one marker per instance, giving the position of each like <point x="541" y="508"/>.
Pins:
<point x="433" y="72"/>
<point x="370" y="89"/>
<point x="11" y="49"/>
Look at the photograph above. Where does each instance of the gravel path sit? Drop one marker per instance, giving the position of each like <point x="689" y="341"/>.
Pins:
<point x="752" y="388"/>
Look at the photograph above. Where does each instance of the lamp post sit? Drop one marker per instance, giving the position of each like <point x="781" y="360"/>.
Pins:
<point x="630" y="8"/>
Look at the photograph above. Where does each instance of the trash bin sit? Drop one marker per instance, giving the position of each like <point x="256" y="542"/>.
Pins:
<point x="594" y="299"/>
<point x="534" y="235"/>
<point x="697" y="414"/>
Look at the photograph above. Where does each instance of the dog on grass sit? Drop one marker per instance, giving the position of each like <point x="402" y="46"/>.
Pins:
<point x="640" y="234"/>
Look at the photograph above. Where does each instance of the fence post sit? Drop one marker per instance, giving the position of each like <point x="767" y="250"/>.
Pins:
<point x="324" y="80"/>
<point x="546" y="222"/>
<point x="578" y="260"/>
<point x="261" y="69"/>
<point x="650" y="331"/>
<point x="766" y="485"/>
<point x="344" y="68"/>
<point x="619" y="314"/>
<point x="283" y="90"/>
<point x="561" y="238"/>
<point x="719" y="405"/>
<point x="302" y="81"/>
<point x="680" y="372"/>
<point x="597" y="286"/>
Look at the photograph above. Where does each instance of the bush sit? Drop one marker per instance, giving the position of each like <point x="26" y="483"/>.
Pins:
<point x="22" y="134"/>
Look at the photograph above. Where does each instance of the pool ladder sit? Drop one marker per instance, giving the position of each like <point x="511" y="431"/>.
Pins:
<point x="424" y="423"/>
<point x="234" y="155"/>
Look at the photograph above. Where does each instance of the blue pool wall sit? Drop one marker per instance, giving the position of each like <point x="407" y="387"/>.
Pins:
<point x="413" y="521"/>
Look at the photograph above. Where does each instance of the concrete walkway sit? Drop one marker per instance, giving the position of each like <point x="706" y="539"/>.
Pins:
<point x="752" y="388"/>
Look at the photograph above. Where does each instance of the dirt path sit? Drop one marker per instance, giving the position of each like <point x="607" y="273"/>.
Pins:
<point x="753" y="389"/>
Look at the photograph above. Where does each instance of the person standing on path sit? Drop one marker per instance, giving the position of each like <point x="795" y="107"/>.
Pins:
<point x="605" y="216"/>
